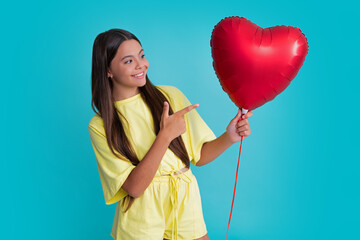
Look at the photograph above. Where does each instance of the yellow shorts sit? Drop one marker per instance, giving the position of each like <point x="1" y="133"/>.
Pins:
<point x="169" y="208"/>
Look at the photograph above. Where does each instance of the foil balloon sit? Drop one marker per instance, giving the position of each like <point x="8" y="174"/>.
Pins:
<point x="253" y="64"/>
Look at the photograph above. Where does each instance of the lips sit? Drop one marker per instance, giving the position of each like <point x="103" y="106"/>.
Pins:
<point x="139" y="75"/>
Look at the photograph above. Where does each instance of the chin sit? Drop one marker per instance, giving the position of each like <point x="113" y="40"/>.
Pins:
<point x="144" y="82"/>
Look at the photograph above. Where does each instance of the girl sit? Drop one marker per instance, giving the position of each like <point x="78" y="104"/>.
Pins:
<point x="144" y="137"/>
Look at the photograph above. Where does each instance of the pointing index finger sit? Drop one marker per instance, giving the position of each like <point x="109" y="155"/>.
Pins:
<point x="187" y="109"/>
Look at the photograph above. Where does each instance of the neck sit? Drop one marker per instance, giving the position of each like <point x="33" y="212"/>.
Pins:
<point x="124" y="93"/>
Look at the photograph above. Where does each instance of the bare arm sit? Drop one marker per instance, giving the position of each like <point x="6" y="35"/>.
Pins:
<point x="211" y="150"/>
<point x="170" y="127"/>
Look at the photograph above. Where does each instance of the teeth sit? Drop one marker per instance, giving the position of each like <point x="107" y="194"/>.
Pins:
<point x="140" y="74"/>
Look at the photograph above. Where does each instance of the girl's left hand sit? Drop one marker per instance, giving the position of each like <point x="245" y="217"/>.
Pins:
<point x="237" y="129"/>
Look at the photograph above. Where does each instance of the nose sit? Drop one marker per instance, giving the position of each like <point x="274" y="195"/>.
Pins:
<point x="139" y="64"/>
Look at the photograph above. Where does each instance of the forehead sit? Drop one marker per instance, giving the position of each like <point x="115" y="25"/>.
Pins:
<point x="128" y="47"/>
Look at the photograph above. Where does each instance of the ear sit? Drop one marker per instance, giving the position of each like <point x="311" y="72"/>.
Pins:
<point x="109" y="73"/>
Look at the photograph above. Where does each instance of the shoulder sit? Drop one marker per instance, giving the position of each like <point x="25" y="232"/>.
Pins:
<point x="171" y="91"/>
<point x="96" y="123"/>
<point x="177" y="98"/>
<point x="168" y="88"/>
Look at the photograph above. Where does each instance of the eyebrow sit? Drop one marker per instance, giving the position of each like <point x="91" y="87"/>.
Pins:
<point x="131" y="55"/>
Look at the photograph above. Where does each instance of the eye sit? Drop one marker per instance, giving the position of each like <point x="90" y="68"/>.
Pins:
<point x="128" y="61"/>
<point x="143" y="56"/>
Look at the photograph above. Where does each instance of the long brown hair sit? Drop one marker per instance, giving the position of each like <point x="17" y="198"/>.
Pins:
<point x="105" y="47"/>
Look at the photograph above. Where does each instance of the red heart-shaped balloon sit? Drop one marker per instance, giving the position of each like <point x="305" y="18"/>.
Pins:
<point x="255" y="64"/>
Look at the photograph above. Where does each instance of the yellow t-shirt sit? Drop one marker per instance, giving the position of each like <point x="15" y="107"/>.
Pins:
<point x="139" y="129"/>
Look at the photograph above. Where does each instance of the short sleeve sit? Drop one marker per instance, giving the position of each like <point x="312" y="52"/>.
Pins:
<point x="113" y="171"/>
<point x="198" y="132"/>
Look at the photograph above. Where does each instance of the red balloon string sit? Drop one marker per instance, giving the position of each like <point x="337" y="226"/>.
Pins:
<point x="237" y="170"/>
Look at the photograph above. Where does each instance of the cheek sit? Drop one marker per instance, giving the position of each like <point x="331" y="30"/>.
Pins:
<point x="124" y="71"/>
<point x="122" y="74"/>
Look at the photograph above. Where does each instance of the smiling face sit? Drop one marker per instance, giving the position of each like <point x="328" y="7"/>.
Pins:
<point x="128" y="70"/>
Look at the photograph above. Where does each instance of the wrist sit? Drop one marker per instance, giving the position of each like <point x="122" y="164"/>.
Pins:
<point x="164" y="137"/>
<point x="228" y="138"/>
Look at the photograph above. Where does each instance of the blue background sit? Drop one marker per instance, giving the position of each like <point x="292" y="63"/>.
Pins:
<point x="298" y="176"/>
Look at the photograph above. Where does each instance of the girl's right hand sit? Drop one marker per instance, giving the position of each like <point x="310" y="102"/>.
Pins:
<point x="174" y="125"/>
